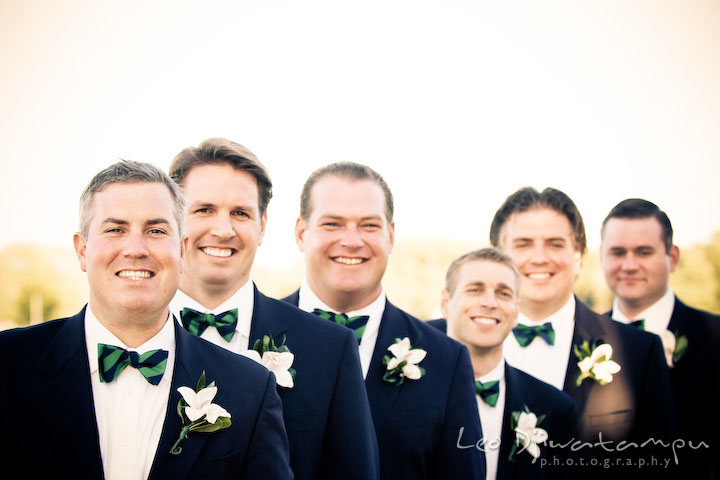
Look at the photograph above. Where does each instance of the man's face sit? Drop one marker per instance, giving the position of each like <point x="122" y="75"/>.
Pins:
<point x="346" y="239"/>
<point x="634" y="259"/>
<point x="132" y="253"/>
<point x="541" y="243"/>
<point x="224" y="228"/>
<point x="483" y="308"/>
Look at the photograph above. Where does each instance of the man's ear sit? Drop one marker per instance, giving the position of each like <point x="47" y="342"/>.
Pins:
<point x="444" y="303"/>
<point x="80" y="247"/>
<point x="300" y="227"/>
<point x="674" y="258"/>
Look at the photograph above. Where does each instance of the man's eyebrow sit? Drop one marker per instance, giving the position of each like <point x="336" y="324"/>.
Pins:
<point x="158" y="221"/>
<point x="115" y="221"/>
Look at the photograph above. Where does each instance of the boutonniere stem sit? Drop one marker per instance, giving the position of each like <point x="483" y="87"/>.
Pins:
<point x="197" y="412"/>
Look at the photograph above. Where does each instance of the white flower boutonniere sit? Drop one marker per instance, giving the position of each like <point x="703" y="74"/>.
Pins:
<point x="404" y="362"/>
<point x="528" y="435"/>
<point x="674" y="345"/>
<point x="198" y="413"/>
<point x="276" y="359"/>
<point x="595" y="363"/>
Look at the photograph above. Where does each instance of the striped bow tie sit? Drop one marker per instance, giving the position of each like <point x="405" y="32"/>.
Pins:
<point x="112" y="360"/>
<point x="526" y="334"/>
<point x="356" y="324"/>
<point x="638" y="324"/>
<point x="488" y="391"/>
<point x="196" y="322"/>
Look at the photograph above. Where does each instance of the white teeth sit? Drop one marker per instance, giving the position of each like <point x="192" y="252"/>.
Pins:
<point x="217" y="252"/>
<point x="348" y="261"/>
<point x="539" y="276"/>
<point x="134" y="274"/>
<point x="485" y="320"/>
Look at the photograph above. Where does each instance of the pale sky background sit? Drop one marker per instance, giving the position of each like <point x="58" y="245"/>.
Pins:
<point x="456" y="103"/>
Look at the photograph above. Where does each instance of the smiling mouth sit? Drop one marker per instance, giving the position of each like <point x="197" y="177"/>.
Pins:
<point x="539" y="276"/>
<point x="348" y="260"/>
<point x="485" y="320"/>
<point x="135" y="274"/>
<point x="217" y="252"/>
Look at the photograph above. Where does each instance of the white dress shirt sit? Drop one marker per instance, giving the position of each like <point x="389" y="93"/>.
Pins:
<point x="543" y="361"/>
<point x="308" y="302"/>
<point x="656" y="316"/>
<point x="243" y="299"/>
<point x="491" y="420"/>
<point x="130" y="411"/>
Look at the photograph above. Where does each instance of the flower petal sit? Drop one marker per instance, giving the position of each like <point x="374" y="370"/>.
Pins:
<point x="415" y="356"/>
<point x="526" y="422"/>
<point x="539" y="435"/>
<point x="194" y="413"/>
<point x="668" y="341"/>
<point x="394" y="362"/>
<point x="585" y="364"/>
<point x="400" y="349"/>
<point x="283" y="378"/>
<point x="214" y="411"/>
<point x="189" y="396"/>
<point x="252" y="355"/>
<point x="412" y="372"/>
<point x="275" y="361"/>
<point x="533" y="449"/>
<point x="205" y="396"/>
<point x="604" y="350"/>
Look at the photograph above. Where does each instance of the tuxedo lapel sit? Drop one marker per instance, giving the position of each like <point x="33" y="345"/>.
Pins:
<point x="264" y="322"/>
<point x="382" y="394"/>
<point x="166" y="465"/>
<point x="65" y="362"/>
<point x="513" y="402"/>
<point x="680" y="311"/>
<point x="587" y="328"/>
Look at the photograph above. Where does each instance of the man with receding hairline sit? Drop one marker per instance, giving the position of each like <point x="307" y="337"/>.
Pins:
<point x="418" y="381"/>
<point x="97" y="395"/>
<point x="638" y="255"/>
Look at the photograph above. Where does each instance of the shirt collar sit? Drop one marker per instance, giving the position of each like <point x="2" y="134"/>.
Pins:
<point x="243" y="299"/>
<point x="497" y="373"/>
<point x="96" y="332"/>
<point x="656" y="316"/>
<point x="559" y="319"/>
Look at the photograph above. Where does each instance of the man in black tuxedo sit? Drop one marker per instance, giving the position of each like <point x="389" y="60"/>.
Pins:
<point x="637" y="257"/>
<point x="622" y="392"/>
<point x="97" y="395"/>
<point x="480" y="303"/>
<point x="325" y="406"/>
<point x="418" y="381"/>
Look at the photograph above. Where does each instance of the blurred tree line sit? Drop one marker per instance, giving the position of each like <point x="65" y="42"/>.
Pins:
<point x="38" y="283"/>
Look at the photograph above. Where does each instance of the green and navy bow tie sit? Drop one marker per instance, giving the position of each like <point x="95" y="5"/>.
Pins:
<point x="488" y="391"/>
<point x="526" y="334"/>
<point x="196" y="322"/>
<point x="638" y="324"/>
<point x="356" y="324"/>
<point x="112" y="361"/>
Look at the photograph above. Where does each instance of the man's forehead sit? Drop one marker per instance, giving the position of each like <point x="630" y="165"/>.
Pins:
<point x="487" y="272"/>
<point x="332" y="188"/>
<point x="641" y="230"/>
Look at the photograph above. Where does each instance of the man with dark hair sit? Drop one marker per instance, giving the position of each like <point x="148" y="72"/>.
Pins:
<point x="480" y="303"/>
<point x="613" y="372"/>
<point x="111" y="392"/>
<point x="419" y="382"/>
<point x="325" y="406"/>
<point x="638" y="256"/>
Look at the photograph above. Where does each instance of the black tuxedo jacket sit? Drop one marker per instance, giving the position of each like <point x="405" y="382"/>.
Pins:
<point x="47" y="415"/>
<point x="418" y="423"/>
<point x="560" y="422"/>
<point x="696" y="389"/>
<point x="326" y="413"/>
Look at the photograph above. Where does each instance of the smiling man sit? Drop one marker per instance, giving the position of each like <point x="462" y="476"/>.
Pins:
<point x="102" y="387"/>
<point x="480" y="303"/>
<point x="325" y="407"/>
<point x="544" y="234"/>
<point x="638" y="256"/>
<point x="419" y="382"/>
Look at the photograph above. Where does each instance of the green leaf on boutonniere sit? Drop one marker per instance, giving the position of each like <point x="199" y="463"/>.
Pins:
<point x="681" y="345"/>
